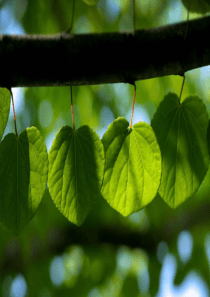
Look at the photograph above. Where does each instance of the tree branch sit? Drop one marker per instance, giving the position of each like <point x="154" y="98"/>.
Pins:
<point x="88" y="59"/>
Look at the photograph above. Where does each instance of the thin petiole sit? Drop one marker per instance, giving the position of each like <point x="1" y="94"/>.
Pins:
<point x="181" y="90"/>
<point x="188" y="12"/>
<point x="186" y="29"/>
<point x="134" y="18"/>
<point x="14" y="114"/>
<point x="72" y="18"/>
<point x="134" y="98"/>
<point x="72" y="112"/>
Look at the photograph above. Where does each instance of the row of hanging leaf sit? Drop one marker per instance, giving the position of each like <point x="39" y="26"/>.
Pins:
<point x="128" y="166"/>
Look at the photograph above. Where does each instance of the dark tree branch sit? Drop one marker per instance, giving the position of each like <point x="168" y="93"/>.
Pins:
<point x="88" y="59"/>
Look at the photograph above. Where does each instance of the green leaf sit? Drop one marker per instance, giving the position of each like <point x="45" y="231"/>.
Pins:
<point x="91" y="2"/>
<point x="133" y="166"/>
<point x="198" y="6"/>
<point x="23" y="177"/>
<point x="76" y="168"/>
<point x="181" y="131"/>
<point x="5" y="98"/>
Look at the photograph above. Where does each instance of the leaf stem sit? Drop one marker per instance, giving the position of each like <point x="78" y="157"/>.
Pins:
<point x="185" y="35"/>
<point x="188" y="12"/>
<point x="134" y="98"/>
<point x="72" y="18"/>
<point x="72" y="112"/>
<point x="13" y="106"/>
<point x="181" y="89"/>
<point x="134" y="18"/>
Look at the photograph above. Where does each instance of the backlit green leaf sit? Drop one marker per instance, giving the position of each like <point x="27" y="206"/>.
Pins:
<point x="133" y="166"/>
<point x="23" y="177"/>
<point x="4" y="109"/>
<point x="76" y="168"/>
<point x="181" y="131"/>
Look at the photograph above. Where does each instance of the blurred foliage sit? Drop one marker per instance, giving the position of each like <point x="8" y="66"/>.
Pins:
<point x="199" y="6"/>
<point x="102" y="269"/>
<point x="91" y="2"/>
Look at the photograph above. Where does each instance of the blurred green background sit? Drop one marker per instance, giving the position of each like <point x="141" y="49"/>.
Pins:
<point x="154" y="252"/>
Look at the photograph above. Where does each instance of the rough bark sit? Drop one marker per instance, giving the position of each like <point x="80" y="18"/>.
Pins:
<point x="88" y="59"/>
